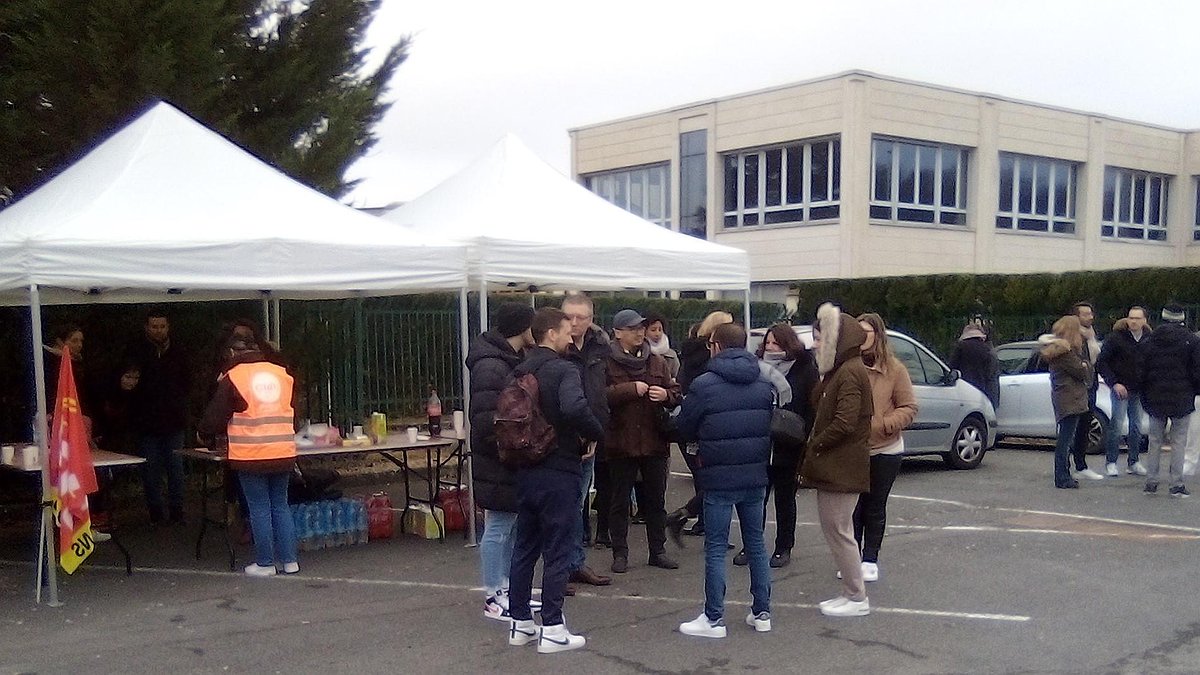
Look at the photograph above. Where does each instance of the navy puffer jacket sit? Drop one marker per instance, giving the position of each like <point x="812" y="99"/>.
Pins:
<point x="1171" y="371"/>
<point x="491" y="360"/>
<point x="728" y="410"/>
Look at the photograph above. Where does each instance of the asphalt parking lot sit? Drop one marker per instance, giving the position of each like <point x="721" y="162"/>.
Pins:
<point x="991" y="570"/>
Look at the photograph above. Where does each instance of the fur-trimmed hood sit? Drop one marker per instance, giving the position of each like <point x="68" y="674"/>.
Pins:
<point x="841" y="338"/>
<point x="1053" y="347"/>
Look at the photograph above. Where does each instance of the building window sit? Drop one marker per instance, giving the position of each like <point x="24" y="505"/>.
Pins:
<point x="643" y="191"/>
<point x="1135" y="204"/>
<point x="693" y="183"/>
<point x="1037" y="194"/>
<point x="1196" y="224"/>
<point x="795" y="183"/>
<point x="918" y="182"/>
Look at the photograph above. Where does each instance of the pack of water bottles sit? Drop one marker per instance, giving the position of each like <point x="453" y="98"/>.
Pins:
<point x="330" y="523"/>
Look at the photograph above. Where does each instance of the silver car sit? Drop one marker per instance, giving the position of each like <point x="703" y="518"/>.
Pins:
<point x="955" y="421"/>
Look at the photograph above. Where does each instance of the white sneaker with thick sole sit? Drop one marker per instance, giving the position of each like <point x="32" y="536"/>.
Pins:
<point x="701" y="626"/>
<point x="522" y="632"/>
<point x="1086" y="474"/>
<point x="870" y="572"/>
<point x="1138" y="469"/>
<point x="848" y="608"/>
<point x="761" y="622"/>
<point x="291" y="568"/>
<point x="1110" y="470"/>
<point x="494" y="608"/>
<point x="832" y="601"/>
<point x="558" y="639"/>
<point x="256" y="570"/>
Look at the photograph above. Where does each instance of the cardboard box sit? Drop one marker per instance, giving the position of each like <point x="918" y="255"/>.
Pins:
<point x="423" y="522"/>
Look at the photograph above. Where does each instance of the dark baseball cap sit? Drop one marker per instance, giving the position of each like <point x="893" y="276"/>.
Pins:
<point x="627" y="318"/>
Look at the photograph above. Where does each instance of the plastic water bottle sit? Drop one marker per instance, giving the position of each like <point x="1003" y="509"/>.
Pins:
<point x="363" y="523"/>
<point x="348" y="522"/>
<point x="339" y="522"/>
<point x="298" y="524"/>
<point x="309" y="516"/>
<point x="327" y="526"/>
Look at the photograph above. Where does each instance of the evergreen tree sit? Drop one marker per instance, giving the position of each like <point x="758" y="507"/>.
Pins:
<point x="287" y="80"/>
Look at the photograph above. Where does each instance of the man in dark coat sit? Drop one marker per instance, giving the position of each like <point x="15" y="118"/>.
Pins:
<point x="1120" y="364"/>
<point x="640" y="391"/>
<point x="548" y="493"/>
<point x="160" y="408"/>
<point x="491" y="360"/>
<point x="588" y="351"/>
<point x="974" y="358"/>
<point x="1170" y="380"/>
<point x="728" y="410"/>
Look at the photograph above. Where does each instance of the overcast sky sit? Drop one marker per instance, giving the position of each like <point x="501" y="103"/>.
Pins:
<point x="537" y="68"/>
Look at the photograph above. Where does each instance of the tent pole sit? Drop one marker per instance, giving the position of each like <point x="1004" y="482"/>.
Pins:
<point x="46" y="554"/>
<point x="277" y="330"/>
<point x="266" y="322"/>
<point x="746" y="308"/>
<point x="483" y="306"/>
<point x="464" y="336"/>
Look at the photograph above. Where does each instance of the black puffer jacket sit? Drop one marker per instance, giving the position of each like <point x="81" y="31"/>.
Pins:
<point x="592" y="363"/>
<point x="491" y="360"/>
<point x="979" y="366"/>
<point x="693" y="361"/>
<point x="1171" y="373"/>
<point x="1120" y="360"/>
<point x="564" y="406"/>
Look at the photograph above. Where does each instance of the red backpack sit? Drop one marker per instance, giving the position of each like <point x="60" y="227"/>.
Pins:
<point x="523" y="436"/>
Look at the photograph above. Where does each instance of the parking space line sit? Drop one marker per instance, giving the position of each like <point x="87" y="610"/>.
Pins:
<point x="400" y="583"/>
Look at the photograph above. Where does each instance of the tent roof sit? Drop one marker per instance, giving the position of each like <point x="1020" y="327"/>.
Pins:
<point x="166" y="203"/>
<point x="526" y="223"/>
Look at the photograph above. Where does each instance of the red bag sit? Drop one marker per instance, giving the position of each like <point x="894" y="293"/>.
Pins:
<point x="453" y="502"/>
<point x="381" y="520"/>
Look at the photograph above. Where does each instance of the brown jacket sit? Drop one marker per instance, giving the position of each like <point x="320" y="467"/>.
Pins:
<point x="634" y="426"/>
<point x="894" y="401"/>
<point x="837" y="459"/>
<point x="1070" y="376"/>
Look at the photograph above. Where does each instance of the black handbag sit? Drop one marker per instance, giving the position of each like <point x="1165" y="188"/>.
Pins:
<point x="788" y="427"/>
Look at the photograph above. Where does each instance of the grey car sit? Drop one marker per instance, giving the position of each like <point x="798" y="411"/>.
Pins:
<point x="955" y="421"/>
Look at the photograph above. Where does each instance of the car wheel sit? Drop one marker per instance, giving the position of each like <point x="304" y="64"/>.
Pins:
<point x="1097" y="429"/>
<point x="968" y="445"/>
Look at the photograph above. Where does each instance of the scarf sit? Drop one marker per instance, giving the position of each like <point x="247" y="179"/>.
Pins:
<point x="779" y="361"/>
<point x="661" y="347"/>
<point x="636" y="365"/>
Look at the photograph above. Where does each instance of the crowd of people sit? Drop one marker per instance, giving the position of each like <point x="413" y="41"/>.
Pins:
<point x="618" y="403"/>
<point x="1155" y="370"/>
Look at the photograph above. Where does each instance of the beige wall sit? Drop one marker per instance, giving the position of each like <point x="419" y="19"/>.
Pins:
<point x="857" y="106"/>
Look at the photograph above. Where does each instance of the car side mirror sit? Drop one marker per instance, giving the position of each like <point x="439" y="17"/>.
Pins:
<point x="951" y="377"/>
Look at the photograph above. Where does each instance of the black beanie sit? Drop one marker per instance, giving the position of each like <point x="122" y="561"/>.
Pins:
<point x="513" y="318"/>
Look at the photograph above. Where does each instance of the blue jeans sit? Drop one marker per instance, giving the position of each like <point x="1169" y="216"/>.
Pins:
<point x="161" y="457"/>
<point x="579" y="556"/>
<point x="270" y="519"/>
<point x="718" y="512"/>
<point x="1062" y="448"/>
<point x="547" y="528"/>
<point x="1124" y="407"/>
<point x="496" y="549"/>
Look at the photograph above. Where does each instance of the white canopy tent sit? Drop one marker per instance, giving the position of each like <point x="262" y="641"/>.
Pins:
<point x="168" y="210"/>
<point x="525" y="223"/>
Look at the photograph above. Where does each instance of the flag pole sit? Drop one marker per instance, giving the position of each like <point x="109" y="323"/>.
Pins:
<point x="46" y="554"/>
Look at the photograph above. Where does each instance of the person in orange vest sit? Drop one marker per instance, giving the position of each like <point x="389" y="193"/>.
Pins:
<point x="253" y="408"/>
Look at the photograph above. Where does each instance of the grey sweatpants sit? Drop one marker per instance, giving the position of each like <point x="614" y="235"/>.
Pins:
<point x="1177" y="437"/>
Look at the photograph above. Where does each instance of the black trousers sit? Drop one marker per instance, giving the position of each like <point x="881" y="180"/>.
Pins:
<point x="781" y="480"/>
<point x="603" y="500"/>
<point x="623" y="472"/>
<point x="1079" y="449"/>
<point x="695" y="505"/>
<point x="870" y="516"/>
<point x="547" y="506"/>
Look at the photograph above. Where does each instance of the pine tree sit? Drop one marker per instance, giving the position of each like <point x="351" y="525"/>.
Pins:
<point x="287" y="80"/>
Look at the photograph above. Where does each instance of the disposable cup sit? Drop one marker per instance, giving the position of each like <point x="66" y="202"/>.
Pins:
<point x="29" y="456"/>
<point x="412" y="434"/>
<point x="358" y="431"/>
<point x="8" y="454"/>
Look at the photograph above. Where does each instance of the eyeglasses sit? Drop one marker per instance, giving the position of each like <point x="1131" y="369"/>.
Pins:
<point x="712" y="344"/>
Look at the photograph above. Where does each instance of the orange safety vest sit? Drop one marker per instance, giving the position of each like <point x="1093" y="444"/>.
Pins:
<point x="266" y="429"/>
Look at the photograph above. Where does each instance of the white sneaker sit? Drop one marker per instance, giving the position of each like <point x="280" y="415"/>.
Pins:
<point x="98" y="536"/>
<point x="761" y="621"/>
<point x="1110" y="470"/>
<point x="1087" y="474"/>
<point x="848" y="608"/>
<point x="493" y="609"/>
<point x="870" y="571"/>
<point x="1138" y="469"/>
<point x="291" y="568"/>
<point x="256" y="570"/>
<point x="558" y="639"/>
<point x="702" y="627"/>
<point x="832" y="602"/>
<point x="522" y="632"/>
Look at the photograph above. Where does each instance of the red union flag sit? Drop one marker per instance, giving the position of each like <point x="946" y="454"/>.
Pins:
<point x="72" y="476"/>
